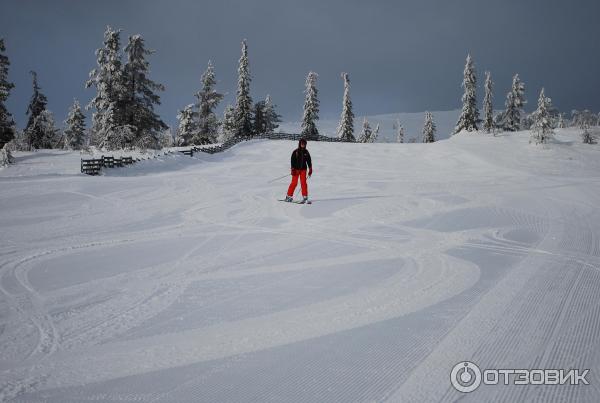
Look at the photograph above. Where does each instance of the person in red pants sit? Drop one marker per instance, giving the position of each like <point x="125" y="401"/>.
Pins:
<point x="300" y="161"/>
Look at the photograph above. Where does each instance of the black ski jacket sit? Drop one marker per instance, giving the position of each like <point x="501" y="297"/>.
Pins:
<point x="301" y="159"/>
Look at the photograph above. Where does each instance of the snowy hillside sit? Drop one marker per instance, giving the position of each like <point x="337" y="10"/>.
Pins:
<point x="183" y="279"/>
<point x="412" y="123"/>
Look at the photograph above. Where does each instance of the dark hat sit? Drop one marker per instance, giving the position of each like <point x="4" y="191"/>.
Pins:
<point x="302" y="140"/>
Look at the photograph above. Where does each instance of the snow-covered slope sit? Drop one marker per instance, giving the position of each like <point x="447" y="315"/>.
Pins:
<point x="184" y="279"/>
<point x="412" y="123"/>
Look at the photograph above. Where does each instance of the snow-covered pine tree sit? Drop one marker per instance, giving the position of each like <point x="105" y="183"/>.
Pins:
<point x="166" y="139"/>
<point x="469" y="115"/>
<point x="243" y="104"/>
<point x="526" y="121"/>
<point x="259" y="118"/>
<point x="6" y="157"/>
<point x="228" y="128"/>
<point x="311" y="107"/>
<point x="108" y="79"/>
<point x="272" y="118"/>
<point x="488" y="110"/>
<point x="586" y="136"/>
<point x="515" y="100"/>
<point x="542" y="128"/>
<point x="399" y="131"/>
<point x="38" y="102"/>
<point x="7" y="124"/>
<point x="140" y="96"/>
<point x="429" y="128"/>
<point x="561" y="121"/>
<point x="346" y="127"/>
<point x="35" y="134"/>
<point x="374" y="134"/>
<point x="187" y="126"/>
<point x="42" y="133"/>
<point x="208" y="100"/>
<point x="74" y="133"/>
<point x="578" y="118"/>
<point x="584" y="123"/>
<point x="365" y="134"/>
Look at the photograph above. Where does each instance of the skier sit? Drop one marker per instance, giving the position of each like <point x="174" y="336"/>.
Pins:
<point x="300" y="161"/>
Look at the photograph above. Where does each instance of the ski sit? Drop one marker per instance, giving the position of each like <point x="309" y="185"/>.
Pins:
<point x="296" y="201"/>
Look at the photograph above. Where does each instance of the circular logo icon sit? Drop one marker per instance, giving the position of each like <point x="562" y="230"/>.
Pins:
<point x="465" y="377"/>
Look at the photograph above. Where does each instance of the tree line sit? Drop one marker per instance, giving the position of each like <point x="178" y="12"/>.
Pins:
<point x="123" y="114"/>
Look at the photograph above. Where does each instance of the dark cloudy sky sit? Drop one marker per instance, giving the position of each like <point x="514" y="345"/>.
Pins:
<point x="402" y="56"/>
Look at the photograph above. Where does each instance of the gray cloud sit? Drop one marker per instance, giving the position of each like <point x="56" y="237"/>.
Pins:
<point x="402" y="56"/>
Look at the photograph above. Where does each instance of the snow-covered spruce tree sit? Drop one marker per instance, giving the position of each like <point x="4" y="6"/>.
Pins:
<point x="109" y="82"/>
<point x="140" y="96"/>
<point x="374" y="134"/>
<point x="74" y="133"/>
<point x="578" y="118"/>
<point x="7" y="124"/>
<point x="586" y="136"/>
<point x="429" y="128"/>
<point x="228" y="128"/>
<point x="166" y="139"/>
<point x="584" y="125"/>
<point x="20" y="142"/>
<point x="346" y="127"/>
<point x="488" y="110"/>
<point x="272" y="118"/>
<point x="526" y="121"/>
<point x="6" y="157"/>
<point x="34" y="133"/>
<point x="399" y="131"/>
<point x="265" y="118"/>
<point x="311" y="107"/>
<point x="208" y="99"/>
<point x="469" y="115"/>
<point x="366" y="133"/>
<point x="187" y="126"/>
<point x="42" y="133"/>
<point x="561" y="121"/>
<point x="259" y="118"/>
<point x="243" y="103"/>
<point x="38" y="102"/>
<point x="542" y="127"/>
<point x="515" y="100"/>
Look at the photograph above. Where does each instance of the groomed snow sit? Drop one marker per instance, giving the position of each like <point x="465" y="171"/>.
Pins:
<point x="183" y="279"/>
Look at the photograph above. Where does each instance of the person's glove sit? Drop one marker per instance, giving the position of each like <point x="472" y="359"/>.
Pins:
<point x="309" y="172"/>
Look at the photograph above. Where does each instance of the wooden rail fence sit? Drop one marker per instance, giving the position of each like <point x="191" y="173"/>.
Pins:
<point x="93" y="166"/>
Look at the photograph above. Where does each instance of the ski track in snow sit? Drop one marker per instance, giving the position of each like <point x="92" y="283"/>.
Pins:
<point x="184" y="279"/>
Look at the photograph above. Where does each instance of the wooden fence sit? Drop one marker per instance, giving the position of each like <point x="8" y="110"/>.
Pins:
<point x="93" y="166"/>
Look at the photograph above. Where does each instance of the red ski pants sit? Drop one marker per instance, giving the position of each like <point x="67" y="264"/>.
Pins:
<point x="302" y="175"/>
